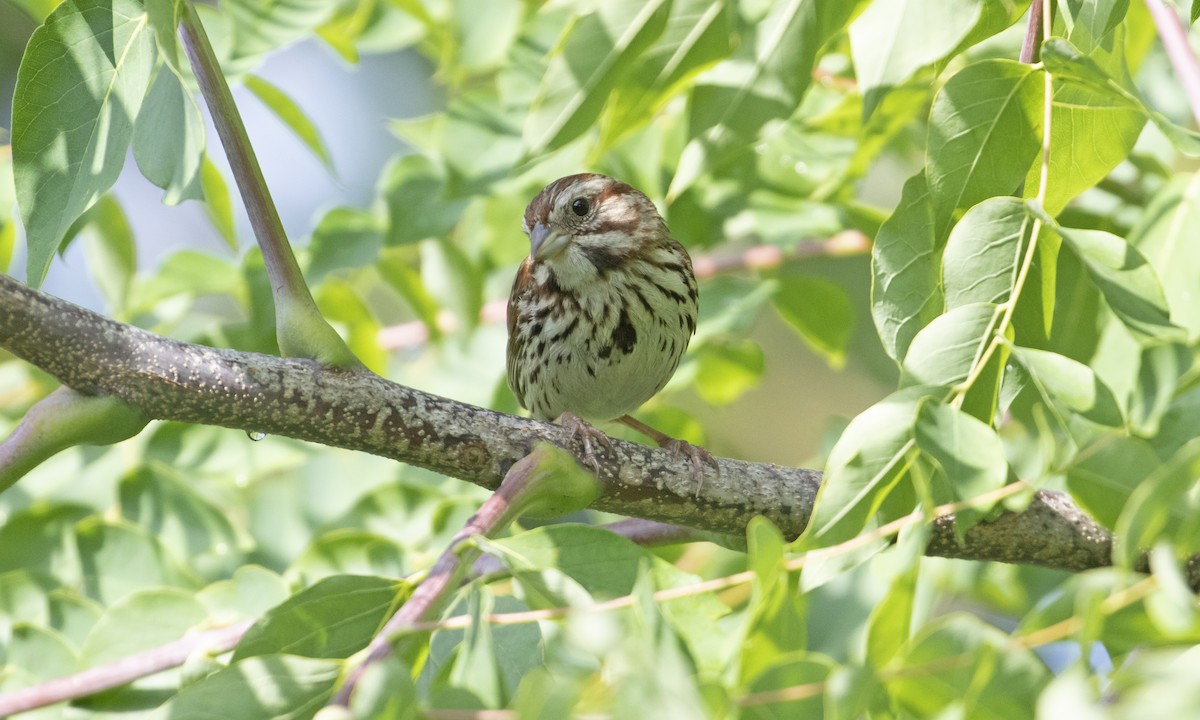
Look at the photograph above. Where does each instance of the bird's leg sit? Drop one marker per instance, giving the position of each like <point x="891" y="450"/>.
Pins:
<point x="580" y="428"/>
<point x="698" y="456"/>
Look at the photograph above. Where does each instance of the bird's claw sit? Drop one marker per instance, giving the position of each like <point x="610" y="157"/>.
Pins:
<point x="586" y="434"/>
<point x="697" y="456"/>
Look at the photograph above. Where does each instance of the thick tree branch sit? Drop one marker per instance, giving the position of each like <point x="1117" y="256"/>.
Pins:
<point x="357" y="410"/>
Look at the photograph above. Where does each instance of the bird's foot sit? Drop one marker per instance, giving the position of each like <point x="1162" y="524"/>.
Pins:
<point x="586" y="434"/>
<point x="696" y="455"/>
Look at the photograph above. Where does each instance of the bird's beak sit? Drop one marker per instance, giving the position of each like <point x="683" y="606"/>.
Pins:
<point x="544" y="242"/>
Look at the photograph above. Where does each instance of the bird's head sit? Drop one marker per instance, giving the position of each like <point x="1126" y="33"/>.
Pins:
<point x="590" y="220"/>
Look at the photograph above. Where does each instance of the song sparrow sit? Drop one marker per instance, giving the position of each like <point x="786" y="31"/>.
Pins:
<point x="601" y="310"/>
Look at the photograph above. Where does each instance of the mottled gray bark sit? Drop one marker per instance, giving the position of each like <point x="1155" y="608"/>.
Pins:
<point x="358" y="410"/>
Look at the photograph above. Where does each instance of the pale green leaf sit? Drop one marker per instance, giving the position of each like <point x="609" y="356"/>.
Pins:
<point x="890" y="41"/>
<point x="268" y="687"/>
<point x="291" y="115"/>
<point x="819" y="310"/>
<point x="334" y="618"/>
<point x="983" y="253"/>
<point x="217" y="203"/>
<point x="1102" y="479"/>
<point x="906" y="288"/>
<point x="111" y="253"/>
<point x="1125" y="279"/>
<point x="597" y="49"/>
<point x="984" y="131"/>
<point x="168" y="139"/>
<point x="78" y="93"/>
<point x="1072" y="390"/>
<point x="1166" y="236"/>
<point x="944" y="352"/>
<point x="259" y="26"/>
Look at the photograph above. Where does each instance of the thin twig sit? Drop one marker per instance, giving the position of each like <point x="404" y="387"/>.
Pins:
<point x="123" y="671"/>
<point x="415" y="333"/>
<point x="528" y="479"/>
<point x="1174" y="38"/>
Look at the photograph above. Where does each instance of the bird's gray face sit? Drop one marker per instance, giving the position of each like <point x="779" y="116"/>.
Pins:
<point x="587" y="221"/>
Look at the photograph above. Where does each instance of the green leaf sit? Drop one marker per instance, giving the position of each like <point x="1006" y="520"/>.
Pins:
<point x="1159" y="507"/>
<point x="965" y="453"/>
<point x="597" y="49"/>
<point x="414" y="190"/>
<point x="349" y="552"/>
<point x="806" y="670"/>
<point x="1092" y="130"/>
<point x="727" y="370"/>
<point x="891" y="621"/>
<point x="268" y="687"/>
<point x="477" y="665"/>
<point x="111" y="253"/>
<point x="984" y="131"/>
<point x="1164" y="236"/>
<point x="345" y="238"/>
<point x="891" y="41"/>
<point x="251" y="592"/>
<point x="1160" y="369"/>
<point x="385" y="692"/>
<point x="41" y="539"/>
<point x="1064" y="60"/>
<point x="394" y="269"/>
<point x="977" y="665"/>
<point x="1124" y="278"/>
<point x="1072" y="390"/>
<point x="141" y="621"/>
<point x="120" y="558"/>
<point x="984" y="251"/>
<point x="484" y="33"/>
<point x="259" y="26"/>
<point x="36" y="654"/>
<point x="164" y="18"/>
<point x="697" y="34"/>
<point x="334" y="618"/>
<point x="872" y="455"/>
<point x="906" y="288"/>
<point x="217" y="204"/>
<point x="187" y="272"/>
<point x="340" y="302"/>
<point x="161" y="501"/>
<point x="946" y="350"/>
<point x="168" y="139"/>
<point x="775" y="622"/>
<point x="1102" y="479"/>
<point x="291" y="115"/>
<point x="78" y="92"/>
<point x="764" y="80"/>
<point x="819" y="310"/>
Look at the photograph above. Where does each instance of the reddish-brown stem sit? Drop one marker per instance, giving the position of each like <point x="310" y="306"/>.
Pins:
<point x="299" y="326"/>
<point x="281" y="264"/>
<point x="429" y="597"/>
<point x="1033" y="34"/>
<point x="1175" y="40"/>
<point x="123" y="671"/>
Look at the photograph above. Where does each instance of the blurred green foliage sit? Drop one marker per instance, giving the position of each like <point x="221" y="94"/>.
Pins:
<point x="1038" y="310"/>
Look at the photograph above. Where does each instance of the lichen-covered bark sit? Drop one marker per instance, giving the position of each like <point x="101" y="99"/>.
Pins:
<point x="358" y="410"/>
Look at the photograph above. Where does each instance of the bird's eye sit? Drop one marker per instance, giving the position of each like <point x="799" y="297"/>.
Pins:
<point x="580" y="206"/>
